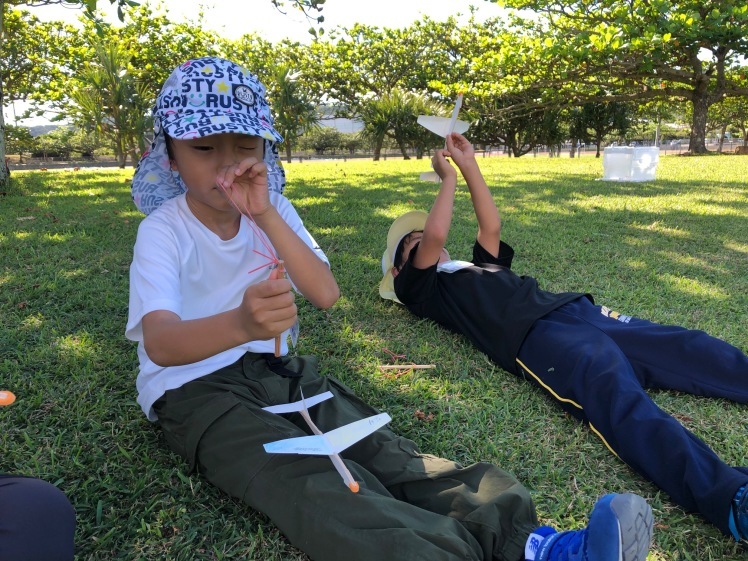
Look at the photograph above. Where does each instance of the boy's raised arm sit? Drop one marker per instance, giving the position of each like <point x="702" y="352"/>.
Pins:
<point x="489" y="221"/>
<point x="312" y="277"/>
<point x="246" y="184"/>
<point x="436" y="229"/>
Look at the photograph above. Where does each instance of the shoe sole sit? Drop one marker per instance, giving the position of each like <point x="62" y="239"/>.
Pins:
<point x="634" y="525"/>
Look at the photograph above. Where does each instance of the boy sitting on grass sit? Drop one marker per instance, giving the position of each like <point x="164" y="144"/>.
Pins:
<point x="206" y="303"/>
<point x="593" y="361"/>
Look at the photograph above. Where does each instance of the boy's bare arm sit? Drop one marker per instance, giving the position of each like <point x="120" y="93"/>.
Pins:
<point x="267" y="310"/>
<point x="312" y="277"/>
<point x="246" y="184"/>
<point x="436" y="229"/>
<point x="486" y="213"/>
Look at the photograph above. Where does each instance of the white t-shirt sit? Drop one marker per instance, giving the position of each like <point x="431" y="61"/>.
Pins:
<point x="181" y="266"/>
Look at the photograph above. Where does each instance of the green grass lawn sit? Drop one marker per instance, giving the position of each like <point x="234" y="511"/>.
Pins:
<point x="674" y="250"/>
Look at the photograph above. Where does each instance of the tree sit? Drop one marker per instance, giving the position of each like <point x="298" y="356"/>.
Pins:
<point x="294" y="111"/>
<point x="88" y="5"/>
<point x="110" y="75"/>
<point x="395" y="115"/>
<point x="321" y="140"/>
<point x="89" y="9"/>
<point x="730" y="114"/>
<point x="55" y="144"/>
<point x="595" y="120"/>
<point x="107" y="99"/>
<point x="363" y="62"/>
<point x="18" y="141"/>
<point x="646" y="50"/>
<point x="521" y="133"/>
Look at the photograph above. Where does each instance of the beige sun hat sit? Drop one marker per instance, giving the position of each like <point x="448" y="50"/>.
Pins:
<point x="401" y="227"/>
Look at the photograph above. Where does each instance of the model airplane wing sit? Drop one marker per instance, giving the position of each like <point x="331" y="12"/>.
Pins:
<point x="444" y="126"/>
<point x="347" y="435"/>
<point x="298" y="405"/>
<point x="316" y="445"/>
<point x="332" y="442"/>
<point x="440" y="125"/>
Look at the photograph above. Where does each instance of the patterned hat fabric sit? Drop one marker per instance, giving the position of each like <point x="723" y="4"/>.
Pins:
<point x="203" y="97"/>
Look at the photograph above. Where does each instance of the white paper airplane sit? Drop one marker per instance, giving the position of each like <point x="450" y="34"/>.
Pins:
<point x="298" y="405"/>
<point x="324" y="444"/>
<point x="443" y="126"/>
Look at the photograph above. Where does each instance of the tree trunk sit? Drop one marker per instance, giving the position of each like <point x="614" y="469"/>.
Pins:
<point x="378" y="148"/>
<point x="700" y="103"/>
<point x="288" y="152"/>
<point x="722" y="138"/>
<point x="3" y="162"/>
<point x="3" y="167"/>
<point x="403" y="151"/>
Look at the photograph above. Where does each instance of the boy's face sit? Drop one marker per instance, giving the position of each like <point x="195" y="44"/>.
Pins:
<point x="199" y="161"/>
<point x="409" y="242"/>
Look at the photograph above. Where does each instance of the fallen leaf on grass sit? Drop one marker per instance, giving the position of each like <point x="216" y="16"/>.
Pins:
<point x="421" y="416"/>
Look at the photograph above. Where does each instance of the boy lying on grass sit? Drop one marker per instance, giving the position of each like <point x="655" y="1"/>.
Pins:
<point x="596" y="363"/>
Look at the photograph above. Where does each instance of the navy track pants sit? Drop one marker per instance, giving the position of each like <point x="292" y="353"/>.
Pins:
<point x="37" y="521"/>
<point x="597" y="364"/>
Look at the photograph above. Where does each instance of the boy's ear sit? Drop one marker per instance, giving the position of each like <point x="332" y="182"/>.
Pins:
<point x="173" y="164"/>
<point x="394" y="272"/>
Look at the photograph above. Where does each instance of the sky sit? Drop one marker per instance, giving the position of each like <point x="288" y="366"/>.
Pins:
<point x="235" y="18"/>
<point x="238" y="17"/>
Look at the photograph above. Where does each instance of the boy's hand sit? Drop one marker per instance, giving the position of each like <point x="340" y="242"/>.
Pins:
<point x="460" y="149"/>
<point x="441" y="165"/>
<point x="268" y="307"/>
<point x="246" y="184"/>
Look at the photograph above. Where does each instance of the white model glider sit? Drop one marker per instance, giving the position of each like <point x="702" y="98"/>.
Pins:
<point x="324" y="444"/>
<point x="443" y="126"/>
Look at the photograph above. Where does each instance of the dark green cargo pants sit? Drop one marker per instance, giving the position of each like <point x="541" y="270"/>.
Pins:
<point x="411" y="506"/>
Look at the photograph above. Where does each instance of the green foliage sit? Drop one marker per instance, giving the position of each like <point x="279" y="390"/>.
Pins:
<point x="594" y="121"/>
<point x="521" y="133"/>
<point x="364" y="62"/>
<point x="672" y="250"/>
<point x="31" y="51"/>
<point x="54" y="144"/>
<point x="394" y="115"/>
<point x="107" y="100"/>
<point x="18" y="141"/>
<point x="322" y="140"/>
<point x="646" y="50"/>
<point x="292" y="106"/>
<point x="521" y="78"/>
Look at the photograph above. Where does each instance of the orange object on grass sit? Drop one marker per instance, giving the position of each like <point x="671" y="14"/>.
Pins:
<point x="6" y="397"/>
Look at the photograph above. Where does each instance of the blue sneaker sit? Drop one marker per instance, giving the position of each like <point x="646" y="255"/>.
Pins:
<point x="620" y="529"/>
<point x="739" y="514"/>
